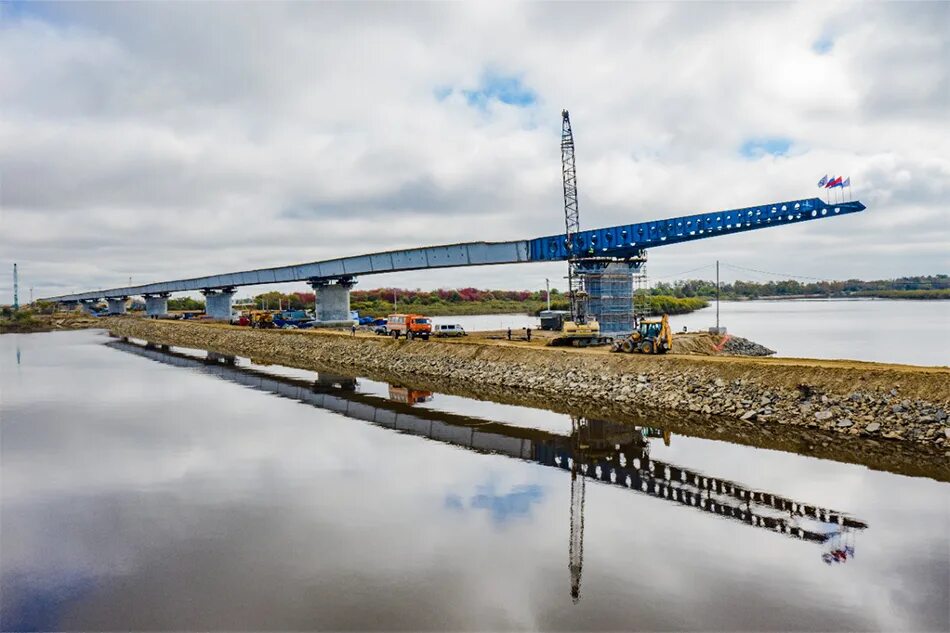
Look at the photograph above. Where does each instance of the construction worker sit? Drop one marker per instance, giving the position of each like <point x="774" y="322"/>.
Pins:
<point x="353" y="329"/>
<point x="509" y="334"/>
<point x="529" y="333"/>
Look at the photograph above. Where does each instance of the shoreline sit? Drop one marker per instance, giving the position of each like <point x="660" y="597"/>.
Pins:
<point x="903" y="458"/>
<point x="858" y="401"/>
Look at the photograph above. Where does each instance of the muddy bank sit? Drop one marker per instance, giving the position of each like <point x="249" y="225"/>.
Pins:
<point x="30" y="323"/>
<point x="863" y="401"/>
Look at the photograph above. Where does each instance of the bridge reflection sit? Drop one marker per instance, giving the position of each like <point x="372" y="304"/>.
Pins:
<point x="606" y="452"/>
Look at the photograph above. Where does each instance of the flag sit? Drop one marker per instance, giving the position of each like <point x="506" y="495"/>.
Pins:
<point x="823" y="181"/>
<point x="847" y="182"/>
<point x="830" y="183"/>
<point x="838" y="182"/>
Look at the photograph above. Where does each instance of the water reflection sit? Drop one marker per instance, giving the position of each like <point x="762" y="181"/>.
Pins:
<point x="600" y="450"/>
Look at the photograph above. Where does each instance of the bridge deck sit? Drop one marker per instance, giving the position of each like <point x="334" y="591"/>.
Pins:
<point x="617" y="241"/>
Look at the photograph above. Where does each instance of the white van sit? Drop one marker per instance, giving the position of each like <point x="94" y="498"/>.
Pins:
<point x="448" y="329"/>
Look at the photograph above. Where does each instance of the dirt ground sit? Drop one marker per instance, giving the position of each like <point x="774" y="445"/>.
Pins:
<point x="700" y="343"/>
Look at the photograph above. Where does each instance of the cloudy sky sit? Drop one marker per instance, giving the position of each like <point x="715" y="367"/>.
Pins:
<point x="159" y="141"/>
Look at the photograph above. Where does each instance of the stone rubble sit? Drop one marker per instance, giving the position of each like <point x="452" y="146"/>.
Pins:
<point x="700" y="388"/>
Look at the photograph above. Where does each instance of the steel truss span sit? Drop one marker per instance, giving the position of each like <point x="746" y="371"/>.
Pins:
<point x="622" y="242"/>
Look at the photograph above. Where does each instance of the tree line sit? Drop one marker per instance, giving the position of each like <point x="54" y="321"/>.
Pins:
<point x="920" y="287"/>
<point x="664" y="297"/>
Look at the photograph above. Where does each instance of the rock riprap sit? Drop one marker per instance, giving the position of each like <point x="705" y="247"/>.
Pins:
<point x="865" y="400"/>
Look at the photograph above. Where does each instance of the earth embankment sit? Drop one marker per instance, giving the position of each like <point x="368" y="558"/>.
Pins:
<point x="845" y="398"/>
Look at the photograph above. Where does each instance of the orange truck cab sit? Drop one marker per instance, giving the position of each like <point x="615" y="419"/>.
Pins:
<point x="408" y="396"/>
<point x="409" y="325"/>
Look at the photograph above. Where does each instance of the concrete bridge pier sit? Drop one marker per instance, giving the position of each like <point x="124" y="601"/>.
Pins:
<point x="156" y="305"/>
<point x="218" y="303"/>
<point x="87" y="306"/>
<point x="116" y="304"/>
<point x="333" y="300"/>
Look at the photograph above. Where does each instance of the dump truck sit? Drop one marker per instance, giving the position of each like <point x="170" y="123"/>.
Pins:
<point x="652" y="336"/>
<point x="409" y="325"/>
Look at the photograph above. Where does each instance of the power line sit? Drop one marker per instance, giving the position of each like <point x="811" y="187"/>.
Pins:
<point x="691" y="270"/>
<point x="766" y="272"/>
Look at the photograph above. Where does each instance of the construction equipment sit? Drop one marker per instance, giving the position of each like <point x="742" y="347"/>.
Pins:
<point x="580" y="330"/>
<point x="412" y="326"/>
<point x="262" y="319"/>
<point x="653" y="336"/>
<point x="580" y="335"/>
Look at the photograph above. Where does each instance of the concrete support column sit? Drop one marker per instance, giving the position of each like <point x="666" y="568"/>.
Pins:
<point x="87" y="306"/>
<point x="156" y="305"/>
<point x="218" y="303"/>
<point x="116" y="305"/>
<point x="333" y="300"/>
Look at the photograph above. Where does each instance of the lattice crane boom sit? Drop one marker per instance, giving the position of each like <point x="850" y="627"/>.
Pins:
<point x="572" y="221"/>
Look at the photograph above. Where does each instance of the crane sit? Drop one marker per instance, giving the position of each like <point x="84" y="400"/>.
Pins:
<point x="602" y="263"/>
<point x="576" y="547"/>
<point x="580" y="330"/>
<point x="572" y="221"/>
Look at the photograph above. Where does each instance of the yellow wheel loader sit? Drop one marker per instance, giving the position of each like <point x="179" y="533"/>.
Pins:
<point x="653" y="336"/>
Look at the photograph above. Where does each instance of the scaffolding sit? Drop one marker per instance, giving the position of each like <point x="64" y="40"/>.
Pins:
<point x="641" y="294"/>
<point x="609" y="285"/>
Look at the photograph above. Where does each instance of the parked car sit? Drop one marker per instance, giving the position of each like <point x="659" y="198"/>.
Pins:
<point x="448" y="329"/>
<point x="409" y="325"/>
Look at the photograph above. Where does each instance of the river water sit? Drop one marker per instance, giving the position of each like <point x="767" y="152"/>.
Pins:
<point x="163" y="490"/>
<point x="888" y="331"/>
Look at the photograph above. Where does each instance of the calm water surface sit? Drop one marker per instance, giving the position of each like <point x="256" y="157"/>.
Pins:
<point x="151" y="489"/>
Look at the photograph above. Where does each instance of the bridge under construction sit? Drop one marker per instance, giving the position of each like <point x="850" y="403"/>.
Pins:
<point x="618" y="252"/>
<point x="602" y="263"/>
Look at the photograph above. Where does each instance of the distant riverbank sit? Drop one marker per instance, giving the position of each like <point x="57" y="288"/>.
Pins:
<point x="25" y="322"/>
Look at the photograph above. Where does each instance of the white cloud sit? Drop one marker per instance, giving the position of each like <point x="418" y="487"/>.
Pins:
<point x="168" y="141"/>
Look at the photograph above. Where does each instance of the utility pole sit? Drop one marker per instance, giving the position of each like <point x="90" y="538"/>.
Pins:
<point x="31" y="295"/>
<point x="16" y="289"/>
<point x="717" y="297"/>
<point x="395" y="310"/>
<point x="547" y="287"/>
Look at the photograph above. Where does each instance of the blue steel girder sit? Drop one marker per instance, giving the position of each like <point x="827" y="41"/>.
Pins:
<point x="627" y="240"/>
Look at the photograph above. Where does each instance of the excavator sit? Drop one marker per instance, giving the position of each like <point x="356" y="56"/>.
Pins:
<point x="653" y="336"/>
